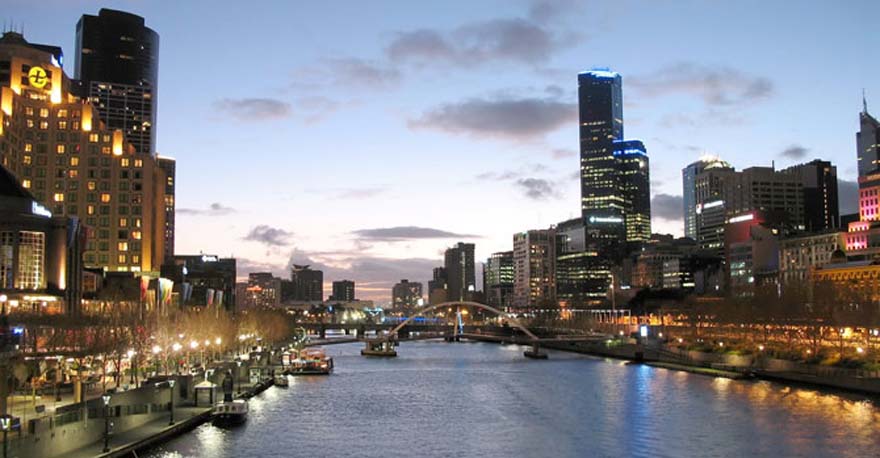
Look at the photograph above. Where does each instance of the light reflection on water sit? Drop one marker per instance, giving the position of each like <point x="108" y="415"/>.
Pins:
<point x="440" y="399"/>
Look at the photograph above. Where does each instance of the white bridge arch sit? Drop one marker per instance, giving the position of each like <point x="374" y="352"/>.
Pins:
<point x="423" y="310"/>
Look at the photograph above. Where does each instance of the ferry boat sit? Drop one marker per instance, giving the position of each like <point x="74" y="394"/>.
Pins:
<point x="281" y="381"/>
<point x="312" y="361"/>
<point x="230" y="412"/>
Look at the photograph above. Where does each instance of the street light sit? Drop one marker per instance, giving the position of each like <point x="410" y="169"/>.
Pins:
<point x="171" y="384"/>
<point x="106" y="399"/>
<point x="4" y="424"/>
<point x="238" y="375"/>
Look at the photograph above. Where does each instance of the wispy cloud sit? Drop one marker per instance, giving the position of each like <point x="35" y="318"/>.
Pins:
<point x="215" y="209"/>
<point x="269" y="236"/>
<point x="716" y="86"/>
<point x="254" y="109"/>
<point x="399" y="233"/>
<point x="667" y="207"/>
<point x="502" y="117"/>
<point x="795" y="152"/>
<point x="538" y="188"/>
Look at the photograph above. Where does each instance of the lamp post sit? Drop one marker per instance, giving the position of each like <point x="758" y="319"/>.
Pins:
<point x="171" y="384"/>
<point x="4" y="424"/>
<point x="106" y="399"/>
<point x="176" y="347"/>
<point x="131" y="368"/>
<point x="238" y="375"/>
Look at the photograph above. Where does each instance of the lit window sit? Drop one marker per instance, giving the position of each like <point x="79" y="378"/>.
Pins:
<point x="59" y="197"/>
<point x="124" y="162"/>
<point x="122" y="258"/>
<point x="93" y="138"/>
<point x="26" y="184"/>
<point x="136" y="235"/>
<point x="138" y="163"/>
<point x="123" y="222"/>
<point x="91" y="186"/>
<point x="60" y="149"/>
<point x="44" y="112"/>
<point x="90" y="209"/>
<point x="122" y="246"/>
<point x="26" y="160"/>
<point x="74" y="161"/>
<point x="105" y="197"/>
<point x="28" y="147"/>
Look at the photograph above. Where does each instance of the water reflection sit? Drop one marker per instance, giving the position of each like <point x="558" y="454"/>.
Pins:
<point x="440" y="399"/>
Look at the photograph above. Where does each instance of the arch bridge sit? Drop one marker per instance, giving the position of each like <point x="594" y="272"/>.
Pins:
<point x="384" y="345"/>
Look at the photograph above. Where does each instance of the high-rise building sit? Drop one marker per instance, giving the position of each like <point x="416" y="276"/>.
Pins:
<point x="582" y="276"/>
<point x="263" y="290"/>
<point x="343" y="290"/>
<point x="498" y="279"/>
<point x="819" y="183"/>
<point x="117" y="67"/>
<point x="308" y="284"/>
<point x="868" y="142"/>
<point x="615" y="179"/>
<point x="460" y="273"/>
<point x="58" y="148"/>
<point x="406" y="296"/>
<point x="437" y="286"/>
<point x="169" y="165"/>
<point x="534" y="267"/>
<point x="689" y="190"/>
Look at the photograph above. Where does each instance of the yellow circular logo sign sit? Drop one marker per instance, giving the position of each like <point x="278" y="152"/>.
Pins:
<point x="38" y="77"/>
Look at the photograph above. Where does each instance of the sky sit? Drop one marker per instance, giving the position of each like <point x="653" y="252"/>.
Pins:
<point x="366" y="137"/>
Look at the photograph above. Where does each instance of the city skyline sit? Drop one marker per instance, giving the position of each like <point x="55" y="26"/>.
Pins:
<point x="455" y="100"/>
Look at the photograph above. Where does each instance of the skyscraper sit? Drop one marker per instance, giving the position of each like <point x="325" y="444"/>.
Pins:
<point x="534" y="267"/>
<point x="689" y="191"/>
<point x="819" y="182"/>
<point x="615" y="178"/>
<point x="406" y="295"/>
<point x="308" y="284"/>
<point x="868" y="142"/>
<point x="460" y="273"/>
<point x="343" y="290"/>
<point x="582" y="277"/>
<point x="118" y="68"/>
<point x="169" y="165"/>
<point x="498" y="279"/>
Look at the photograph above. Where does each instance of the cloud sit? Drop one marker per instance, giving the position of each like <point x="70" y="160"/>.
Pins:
<point x="270" y="236"/>
<point x="254" y="109"/>
<point x="795" y="152"/>
<point x="215" y="209"/>
<point x="348" y="72"/>
<point x="505" y="117"/>
<point x="351" y="193"/>
<point x="481" y="43"/>
<point x="563" y="153"/>
<point x="398" y="233"/>
<point x="543" y="11"/>
<point x="848" y="196"/>
<point x="716" y="86"/>
<point x="667" y="207"/>
<point x="537" y="188"/>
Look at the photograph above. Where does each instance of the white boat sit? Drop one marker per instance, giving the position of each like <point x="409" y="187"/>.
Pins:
<point x="230" y="412"/>
<point x="281" y="381"/>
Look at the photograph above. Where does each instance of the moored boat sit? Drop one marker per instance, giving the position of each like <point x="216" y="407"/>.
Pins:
<point x="312" y="361"/>
<point x="281" y="381"/>
<point x="230" y="412"/>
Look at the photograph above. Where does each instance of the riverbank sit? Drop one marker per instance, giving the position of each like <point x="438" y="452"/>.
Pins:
<point x="668" y="360"/>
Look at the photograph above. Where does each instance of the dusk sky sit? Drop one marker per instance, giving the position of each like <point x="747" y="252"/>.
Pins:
<point x="365" y="137"/>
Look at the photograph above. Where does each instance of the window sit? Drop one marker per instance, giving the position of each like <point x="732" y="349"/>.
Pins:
<point x="30" y="260"/>
<point x="7" y="243"/>
<point x="123" y="222"/>
<point x="93" y="138"/>
<point x="60" y="149"/>
<point x="74" y="161"/>
<point x="105" y="197"/>
<point x="58" y="197"/>
<point x="26" y="184"/>
<point x="27" y="159"/>
<point x="44" y="112"/>
<point x="122" y="246"/>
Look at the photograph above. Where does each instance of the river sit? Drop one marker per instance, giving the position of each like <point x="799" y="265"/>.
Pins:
<point x="485" y="400"/>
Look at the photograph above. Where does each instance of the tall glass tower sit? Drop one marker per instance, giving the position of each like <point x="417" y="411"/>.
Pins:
<point x="615" y="180"/>
<point x="689" y="190"/>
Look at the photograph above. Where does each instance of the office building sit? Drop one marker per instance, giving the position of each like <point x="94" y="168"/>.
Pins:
<point x="868" y="142"/>
<point x="263" y="290"/>
<point x="203" y="280"/>
<point x="56" y="146"/>
<point x="169" y="166"/>
<point x="406" y="296"/>
<point x="534" y="269"/>
<point x="689" y="197"/>
<point x="819" y="184"/>
<point x="460" y="272"/>
<point x="498" y="280"/>
<point x="117" y="67"/>
<point x="437" y="286"/>
<point x="615" y="179"/>
<point x="799" y="254"/>
<point x="343" y="290"/>
<point x="582" y="276"/>
<point x="307" y="284"/>
<point x="40" y="254"/>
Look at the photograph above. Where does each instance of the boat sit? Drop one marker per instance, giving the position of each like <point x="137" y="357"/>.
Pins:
<point x="230" y="412"/>
<point x="311" y="361"/>
<point x="281" y="381"/>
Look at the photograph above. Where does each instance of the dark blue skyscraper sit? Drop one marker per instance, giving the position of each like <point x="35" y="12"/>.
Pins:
<point x="615" y="184"/>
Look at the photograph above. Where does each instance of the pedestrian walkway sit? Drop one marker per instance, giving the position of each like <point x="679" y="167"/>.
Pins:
<point x="182" y="416"/>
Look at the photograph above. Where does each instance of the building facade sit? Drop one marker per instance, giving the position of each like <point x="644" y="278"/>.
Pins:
<point x="582" y="276"/>
<point x="307" y="284"/>
<point x="498" y="280"/>
<point x="343" y="290"/>
<point x="203" y="280"/>
<point x="799" y="254"/>
<point x="55" y="144"/>
<point x="406" y="296"/>
<point x="534" y="267"/>
<point x="819" y="183"/>
<point x="263" y="290"/>
<point x="461" y="278"/>
<point x="689" y="192"/>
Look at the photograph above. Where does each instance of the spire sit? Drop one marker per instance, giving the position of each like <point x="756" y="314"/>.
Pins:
<point x="864" y="102"/>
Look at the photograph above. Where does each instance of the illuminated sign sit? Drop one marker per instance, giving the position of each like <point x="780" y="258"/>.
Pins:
<point x="643" y="331"/>
<point x="37" y="77"/>
<point x="716" y="203"/>
<point x="741" y="218"/>
<point x="40" y="210"/>
<point x="602" y="219"/>
<point x="206" y="258"/>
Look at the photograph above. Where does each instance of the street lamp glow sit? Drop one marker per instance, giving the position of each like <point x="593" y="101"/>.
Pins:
<point x="193" y="345"/>
<point x="130" y="353"/>
<point x="860" y="350"/>
<point x="761" y="347"/>
<point x="156" y="349"/>
<point x="176" y="346"/>
<point x="218" y="340"/>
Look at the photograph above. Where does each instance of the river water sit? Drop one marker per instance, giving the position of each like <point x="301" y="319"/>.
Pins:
<point x="486" y="400"/>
